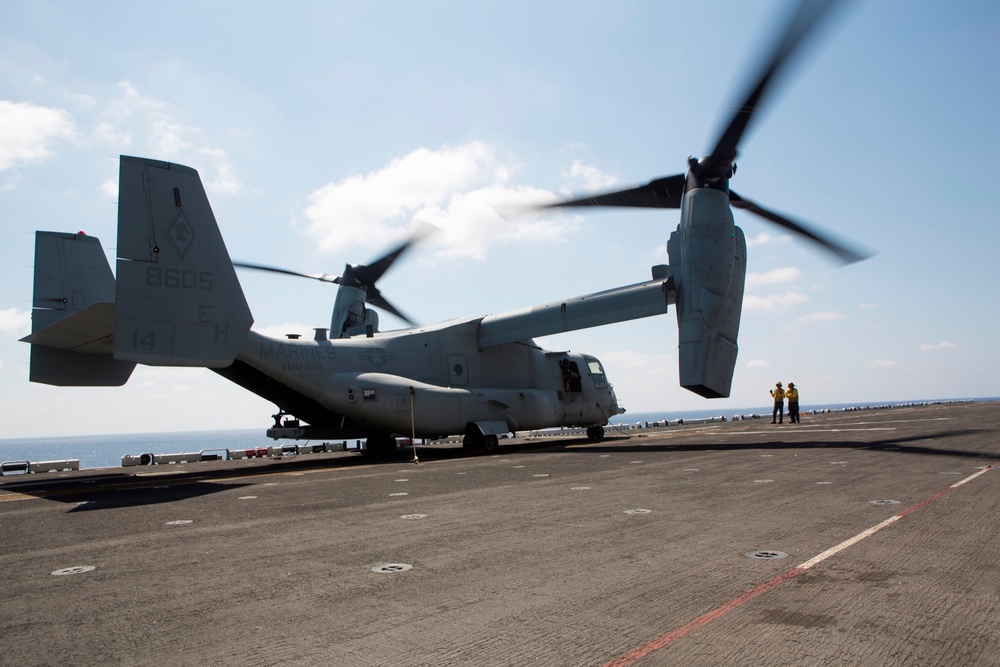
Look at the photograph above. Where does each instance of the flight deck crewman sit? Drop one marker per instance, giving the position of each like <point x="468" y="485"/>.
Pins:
<point x="793" y="403"/>
<point x="779" y="404"/>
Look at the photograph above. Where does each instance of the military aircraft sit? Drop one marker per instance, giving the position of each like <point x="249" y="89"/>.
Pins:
<point x="176" y="301"/>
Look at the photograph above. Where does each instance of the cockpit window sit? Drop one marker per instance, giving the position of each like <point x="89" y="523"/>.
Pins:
<point x="597" y="372"/>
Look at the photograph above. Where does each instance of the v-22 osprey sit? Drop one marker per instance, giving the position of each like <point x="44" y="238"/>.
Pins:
<point x="175" y="300"/>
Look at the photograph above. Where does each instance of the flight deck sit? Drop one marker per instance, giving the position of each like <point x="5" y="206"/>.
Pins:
<point x="863" y="537"/>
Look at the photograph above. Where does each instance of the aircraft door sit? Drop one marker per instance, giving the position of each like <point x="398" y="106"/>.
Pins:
<point x="572" y="388"/>
<point x="458" y="370"/>
<point x="570" y="376"/>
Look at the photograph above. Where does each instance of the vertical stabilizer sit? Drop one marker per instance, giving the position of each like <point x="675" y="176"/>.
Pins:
<point x="178" y="301"/>
<point x="72" y="316"/>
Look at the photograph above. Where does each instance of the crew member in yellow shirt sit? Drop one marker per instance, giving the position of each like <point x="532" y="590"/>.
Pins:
<point x="793" y="403"/>
<point x="779" y="404"/>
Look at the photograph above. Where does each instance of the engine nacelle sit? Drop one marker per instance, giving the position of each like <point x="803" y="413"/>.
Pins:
<point x="708" y="261"/>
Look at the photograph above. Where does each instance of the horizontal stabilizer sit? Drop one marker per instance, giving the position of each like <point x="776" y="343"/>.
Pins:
<point x="87" y="331"/>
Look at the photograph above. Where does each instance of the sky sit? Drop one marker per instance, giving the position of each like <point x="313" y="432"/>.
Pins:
<point x="324" y="130"/>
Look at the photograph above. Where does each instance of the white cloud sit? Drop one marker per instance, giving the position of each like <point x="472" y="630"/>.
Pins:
<point x="867" y="306"/>
<point x="224" y="177"/>
<point x="784" y="274"/>
<point x="165" y="137"/>
<point x="943" y="345"/>
<point x="14" y="322"/>
<point x="881" y="363"/>
<point x="822" y="316"/>
<point x="109" y="188"/>
<point x="756" y="363"/>
<point x="109" y="133"/>
<point x="454" y="188"/>
<point x="27" y="132"/>
<point x="774" y="303"/>
<point x="588" y="177"/>
<point x="764" y="238"/>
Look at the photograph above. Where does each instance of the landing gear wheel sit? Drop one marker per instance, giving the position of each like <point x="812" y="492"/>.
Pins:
<point x="380" y="446"/>
<point x="475" y="442"/>
<point x="595" y="433"/>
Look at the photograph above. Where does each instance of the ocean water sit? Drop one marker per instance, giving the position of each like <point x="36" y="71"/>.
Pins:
<point x="105" y="451"/>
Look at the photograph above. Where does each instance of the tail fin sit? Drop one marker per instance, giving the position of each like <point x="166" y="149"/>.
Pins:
<point x="177" y="299"/>
<point x="72" y="317"/>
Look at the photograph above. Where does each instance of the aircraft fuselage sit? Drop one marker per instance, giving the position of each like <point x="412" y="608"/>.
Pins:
<point x="434" y="381"/>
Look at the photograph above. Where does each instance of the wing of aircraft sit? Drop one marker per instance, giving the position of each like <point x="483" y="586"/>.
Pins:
<point x="591" y="310"/>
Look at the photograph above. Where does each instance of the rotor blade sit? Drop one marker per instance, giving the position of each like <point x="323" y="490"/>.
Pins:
<point x="371" y="273"/>
<point x="322" y="277"/>
<point x="659" y="193"/>
<point x="361" y="276"/>
<point x="801" y="22"/>
<point x="375" y="298"/>
<point x="845" y="253"/>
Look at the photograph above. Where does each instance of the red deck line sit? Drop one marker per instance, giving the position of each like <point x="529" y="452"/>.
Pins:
<point x="668" y="638"/>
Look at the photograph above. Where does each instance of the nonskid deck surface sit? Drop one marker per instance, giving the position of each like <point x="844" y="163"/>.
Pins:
<point x="853" y="538"/>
